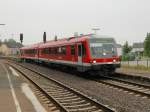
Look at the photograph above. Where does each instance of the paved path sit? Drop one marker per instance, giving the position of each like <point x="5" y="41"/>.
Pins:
<point x="12" y="96"/>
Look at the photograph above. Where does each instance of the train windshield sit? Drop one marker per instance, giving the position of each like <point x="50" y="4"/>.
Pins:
<point x="102" y="48"/>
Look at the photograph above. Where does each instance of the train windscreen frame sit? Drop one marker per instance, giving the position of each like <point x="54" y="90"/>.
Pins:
<point x="102" y="47"/>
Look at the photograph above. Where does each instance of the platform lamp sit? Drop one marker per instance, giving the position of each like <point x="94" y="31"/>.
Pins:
<point x="95" y="30"/>
<point x="2" y="24"/>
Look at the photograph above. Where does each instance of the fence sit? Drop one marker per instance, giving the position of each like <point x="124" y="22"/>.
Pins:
<point x="137" y="63"/>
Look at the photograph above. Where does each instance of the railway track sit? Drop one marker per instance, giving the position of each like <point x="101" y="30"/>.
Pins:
<point x="127" y="86"/>
<point x="61" y="97"/>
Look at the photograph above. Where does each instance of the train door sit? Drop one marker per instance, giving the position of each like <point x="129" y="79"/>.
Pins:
<point x="79" y="54"/>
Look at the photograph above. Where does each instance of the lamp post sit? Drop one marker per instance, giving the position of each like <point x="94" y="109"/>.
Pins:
<point x="95" y="30"/>
<point x="2" y="24"/>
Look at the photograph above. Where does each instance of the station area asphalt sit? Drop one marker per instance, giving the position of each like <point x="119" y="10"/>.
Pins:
<point x="12" y="97"/>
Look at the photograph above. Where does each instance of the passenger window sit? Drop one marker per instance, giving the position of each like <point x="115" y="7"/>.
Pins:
<point x="83" y="50"/>
<point x="30" y="51"/>
<point x="79" y="50"/>
<point x="72" y="50"/>
<point x="59" y="51"/>
<point x="63" y="48"/>
<point x="45" y="51"/>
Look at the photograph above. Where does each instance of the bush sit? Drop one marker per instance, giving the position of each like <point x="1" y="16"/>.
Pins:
<point x="128" y="57"/>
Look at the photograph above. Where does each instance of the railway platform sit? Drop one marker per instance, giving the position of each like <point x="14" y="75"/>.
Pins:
<point x="142" y="76"/>
<point x="15" y="93"/>
<point x="134" y="72"/>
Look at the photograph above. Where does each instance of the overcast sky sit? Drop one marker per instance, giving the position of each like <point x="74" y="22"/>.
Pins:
<point x="123" y="19"/>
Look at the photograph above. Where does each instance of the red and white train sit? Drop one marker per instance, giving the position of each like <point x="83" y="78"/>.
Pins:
<point x="85" y="53"/>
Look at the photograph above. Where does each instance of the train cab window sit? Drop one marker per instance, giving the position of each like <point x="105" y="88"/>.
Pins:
<point x="72" y="50"/>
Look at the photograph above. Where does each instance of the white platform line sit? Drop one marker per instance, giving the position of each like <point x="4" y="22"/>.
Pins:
<point x="14" y="72"/>
<point x="18" y="108"/>
<point x="30" y="95"/>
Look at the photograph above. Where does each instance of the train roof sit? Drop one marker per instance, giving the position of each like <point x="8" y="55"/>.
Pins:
<point x="66" y="41"/>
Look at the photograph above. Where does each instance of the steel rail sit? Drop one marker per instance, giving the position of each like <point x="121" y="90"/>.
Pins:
<point x="135" y="90"/>
<point x="93" y="102"/>
<point x="61" y="108"/>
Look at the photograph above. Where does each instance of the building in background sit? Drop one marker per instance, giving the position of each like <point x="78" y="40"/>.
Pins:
<point x="138" y="49"/>
<point x="14" y="51"/>
<point x="119" y="49"/>
<point x="6" y="50"/>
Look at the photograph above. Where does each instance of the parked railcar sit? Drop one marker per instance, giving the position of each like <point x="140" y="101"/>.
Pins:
<point x="85" y="53"/>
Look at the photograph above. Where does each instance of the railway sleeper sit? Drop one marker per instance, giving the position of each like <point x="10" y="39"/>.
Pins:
<point x="78" y="106"/>
<point x="69" y="100"/>
<point x="75" y="102"/>
<point x="53" y="108"/>
<point x="60" y="93"/>
<point x="56" y="110"/>
<point x="55" y="89"/>
<point x="50" y="85"/>
<point x="87" y="109"/>
<point x="145" y="90"/>
<point x="64" y="95"/>
<point x="61" y="98"/>
<point x="62" y="90"/>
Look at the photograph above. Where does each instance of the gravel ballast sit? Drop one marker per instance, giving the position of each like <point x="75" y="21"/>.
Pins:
<point x="114" y="98"/>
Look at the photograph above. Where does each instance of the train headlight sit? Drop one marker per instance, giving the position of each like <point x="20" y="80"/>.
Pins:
<point x="94" y="61"/>
<point x="114" y="60"/>
<point x="104" y="53"/>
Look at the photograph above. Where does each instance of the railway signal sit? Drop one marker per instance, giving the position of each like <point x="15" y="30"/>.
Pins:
<point x="21" y="37"/>
<point x="44" y="37"/>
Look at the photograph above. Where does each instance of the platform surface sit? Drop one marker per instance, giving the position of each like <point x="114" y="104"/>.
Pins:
<point x="14" y="91"/>
<point x="134" y="72"/>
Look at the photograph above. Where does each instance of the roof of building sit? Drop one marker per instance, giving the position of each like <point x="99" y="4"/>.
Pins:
<point x="119" y="45"/>
<point x="138" y="45"/>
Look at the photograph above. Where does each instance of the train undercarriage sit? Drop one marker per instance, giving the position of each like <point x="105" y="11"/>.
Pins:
<point x="101" y="69"/>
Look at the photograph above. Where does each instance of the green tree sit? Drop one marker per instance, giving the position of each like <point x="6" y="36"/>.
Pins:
<point x="147" y="45"/>
<point x="11" y="43"/>
<point x="126" y="48"/>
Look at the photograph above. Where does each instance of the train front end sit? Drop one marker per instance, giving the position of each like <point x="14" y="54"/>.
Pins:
<point x="103" y="54"/>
